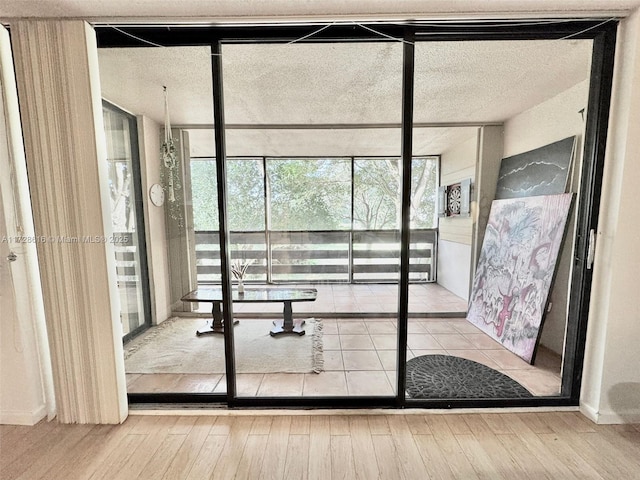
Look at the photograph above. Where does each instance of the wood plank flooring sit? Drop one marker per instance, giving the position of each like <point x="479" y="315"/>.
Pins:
<point x="553" y="445"/>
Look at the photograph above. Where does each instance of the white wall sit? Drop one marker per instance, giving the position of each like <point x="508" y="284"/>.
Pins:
<point x="553" y="120"/>
<point x="611" y="380"/>
<point x="456" y="233"/>
<point x="154" y="217"/>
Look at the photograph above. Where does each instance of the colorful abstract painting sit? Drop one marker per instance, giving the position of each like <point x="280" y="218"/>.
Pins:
<point x="516" y="267"/>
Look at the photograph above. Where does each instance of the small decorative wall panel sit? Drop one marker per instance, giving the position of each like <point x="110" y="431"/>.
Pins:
<point x="455" y="200"/>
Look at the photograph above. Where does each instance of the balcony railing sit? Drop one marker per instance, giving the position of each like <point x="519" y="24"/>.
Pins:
<point x="368" y="256"/>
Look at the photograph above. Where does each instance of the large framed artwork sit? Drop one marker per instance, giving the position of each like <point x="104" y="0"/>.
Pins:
<point x="516" y="268"/>
<point x="543" y="171"/>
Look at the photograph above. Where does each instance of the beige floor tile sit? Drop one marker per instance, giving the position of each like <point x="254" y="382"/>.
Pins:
<point x="190" y="383"/>
<point x="247" y="384"/>
<point x="387" y="299"/>
<point x="333" y="360"/>
<point x="361" y="360"/>
<point x="415" y="326"/>
<point x="281" y="384"/>
<point x="345" y="304"/>
<point x="359" y="336"/>
<point x="438" y="326"/>
<point x="368" y="383"/>
<point x="388" y="359"/>
<point x="310" y="307"/>
<point x="376" y="327"/>
<point x="464" y="326"/>
<point x="476" y="356"/>
<point x="452" y="341"/>
<point x="331" y="342"/>
<point x="385" y="341"/>
<point x="506" y="359"/>
<point x="419" y="341"/>
<point x="482" y="341"/>
<point x="154" y="383"/>
<point x="325" y="383"/>
<point x="419" y="353"/>
<point x="356" y="342"/>
<point x="356" y="327"/>
<point x="131" y="378"/>
<point x="392" y="376"/>
<point x="537" y="382"/>
<point x="329" y="327"/>
<point x="382" y="307"/>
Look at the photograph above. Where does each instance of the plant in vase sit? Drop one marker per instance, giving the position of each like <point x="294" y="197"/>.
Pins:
<point x="238" y="270"/>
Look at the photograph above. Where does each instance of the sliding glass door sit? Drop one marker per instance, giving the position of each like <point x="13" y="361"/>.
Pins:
<point x="127" y="219"/>
<point x="307" y="219"/>
<point x="314" y="116"/>
<point x="497" y="323"/>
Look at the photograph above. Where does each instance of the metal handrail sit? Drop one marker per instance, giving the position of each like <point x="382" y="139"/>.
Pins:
<point x="350" y="263"/>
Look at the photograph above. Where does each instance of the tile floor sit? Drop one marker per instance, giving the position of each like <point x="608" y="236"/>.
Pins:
<point x="360" y="352"/>
<point x="426" y="298"/>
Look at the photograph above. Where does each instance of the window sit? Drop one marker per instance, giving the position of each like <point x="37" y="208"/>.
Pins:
<point x="310" y="194"/>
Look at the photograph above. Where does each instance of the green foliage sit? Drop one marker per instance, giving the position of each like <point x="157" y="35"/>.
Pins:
<point x="245" y="195"/>
<point x="310" y="194"/>
<point x="204" y="196"/>
<point x="424" y="189"/>
<point x="377" y="195"/>
<point x="314" y="194"/>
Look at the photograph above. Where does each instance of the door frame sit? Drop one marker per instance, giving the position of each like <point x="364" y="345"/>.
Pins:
<point x="601" y="31"/>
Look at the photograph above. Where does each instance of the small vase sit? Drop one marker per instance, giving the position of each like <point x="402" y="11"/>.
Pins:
<point x="240" y="287"/>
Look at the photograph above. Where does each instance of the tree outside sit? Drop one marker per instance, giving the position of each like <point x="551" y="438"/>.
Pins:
<point x="310" y="194"/>
<point x="314" y="194"/>
<point x="377" y="196"/>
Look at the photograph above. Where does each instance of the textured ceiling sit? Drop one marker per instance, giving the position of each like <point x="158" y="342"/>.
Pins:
<point x="359" y="142"/>
<point x="343" y="83"/>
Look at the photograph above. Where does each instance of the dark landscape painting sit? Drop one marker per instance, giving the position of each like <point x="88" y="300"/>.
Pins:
<point x="542" y="171"/>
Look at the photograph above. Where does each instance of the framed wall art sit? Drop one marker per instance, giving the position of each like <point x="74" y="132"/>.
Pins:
<point x="516" y="268"/>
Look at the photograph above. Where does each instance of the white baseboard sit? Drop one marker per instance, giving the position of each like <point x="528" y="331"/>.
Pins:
<point x="610" y="418"/>
<point x="21" y="417"/>
<point x="591" y="413"/>
<point x="619" y="418"/>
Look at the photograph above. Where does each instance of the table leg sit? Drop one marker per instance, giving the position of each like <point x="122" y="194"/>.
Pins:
<point x="217" y="324"/>
<point x="287" y="324"/>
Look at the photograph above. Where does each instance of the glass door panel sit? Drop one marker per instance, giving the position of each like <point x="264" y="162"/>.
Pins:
<point x="318" y="114"/>
<point x="170" y="356"/>
<point x="127" y="219"/>
<point x="469" y="323"/>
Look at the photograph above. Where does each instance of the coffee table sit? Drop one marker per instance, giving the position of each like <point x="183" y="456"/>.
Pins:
<point x="287" y="296"/>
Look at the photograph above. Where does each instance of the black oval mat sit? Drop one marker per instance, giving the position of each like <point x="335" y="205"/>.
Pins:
<point x="445" y="376"/>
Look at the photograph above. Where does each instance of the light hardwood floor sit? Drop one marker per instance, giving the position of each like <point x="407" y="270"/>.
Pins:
<point x="555" y="445"/>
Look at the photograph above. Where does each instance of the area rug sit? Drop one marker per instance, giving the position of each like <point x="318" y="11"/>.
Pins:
<point x="447" y="377"/>
<point x="173" y="347"/>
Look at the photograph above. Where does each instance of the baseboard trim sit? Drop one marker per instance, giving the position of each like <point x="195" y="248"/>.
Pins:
<point x="21" y="417"/>
<point x="208" y="410"/>
<point x="619" y="418"/>
<point x="610" y="418"/>
<point x="590" y="412"/>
